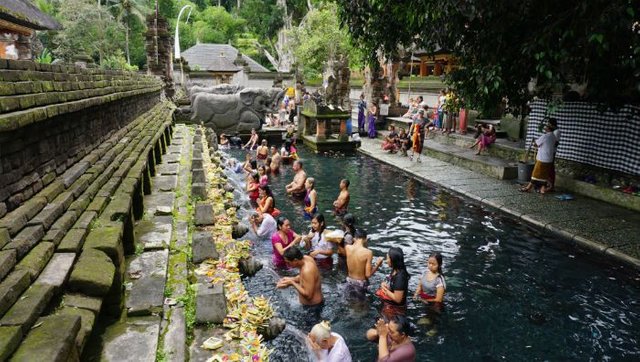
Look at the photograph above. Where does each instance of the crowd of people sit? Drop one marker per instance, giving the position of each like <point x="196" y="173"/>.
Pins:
<point x="312" y="253"/>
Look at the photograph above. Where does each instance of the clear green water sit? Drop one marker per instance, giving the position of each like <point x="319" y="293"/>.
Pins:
<point x="513" y="292"/>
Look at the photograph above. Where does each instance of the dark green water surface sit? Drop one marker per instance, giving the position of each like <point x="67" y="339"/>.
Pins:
<point x="513" y="293"/>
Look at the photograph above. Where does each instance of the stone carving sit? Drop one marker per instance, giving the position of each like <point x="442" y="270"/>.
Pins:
<point x="216" y="89"/>
<point x="240" y="112"/>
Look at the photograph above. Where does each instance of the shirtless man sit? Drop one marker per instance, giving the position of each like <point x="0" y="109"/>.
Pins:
<point x="263" y="151"/>
<point x="296" y="187"/>
<point x="359" y="263"/>
<point x="341" y="205"/>
<point x="307" y="283"/>
<point x="276" y="160"/>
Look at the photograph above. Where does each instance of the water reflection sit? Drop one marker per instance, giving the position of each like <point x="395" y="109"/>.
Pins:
<point x="513" y="294"/>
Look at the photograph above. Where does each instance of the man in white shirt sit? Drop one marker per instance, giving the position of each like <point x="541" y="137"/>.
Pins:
<point x="546" y="145"/>
<point x="263" y="225"/>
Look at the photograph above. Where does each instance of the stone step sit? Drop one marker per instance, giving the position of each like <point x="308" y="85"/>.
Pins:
<point x="147" y="274"/>
<point x="134" y="340"/>
<point x="28" y="308"/>
<point x="53" y="340"/>
<point x="155" y="233"/>
<point x="466" y="158"/>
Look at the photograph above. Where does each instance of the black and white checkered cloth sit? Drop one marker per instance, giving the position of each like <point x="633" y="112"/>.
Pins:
<point x="606" y="139"/>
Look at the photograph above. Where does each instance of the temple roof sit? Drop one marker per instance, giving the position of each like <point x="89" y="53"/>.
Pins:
<point x="25" y="13"/>
<point x="218" y="58"/>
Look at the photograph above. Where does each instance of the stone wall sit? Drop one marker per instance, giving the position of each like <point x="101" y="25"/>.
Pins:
<point x="51" y="116"/>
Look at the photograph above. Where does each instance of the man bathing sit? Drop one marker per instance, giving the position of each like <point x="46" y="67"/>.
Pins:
<point x="296" y="187"/>
<point x="307" y="283"/>
<point x="341" y="205"/>
<point x="359" y="259"/>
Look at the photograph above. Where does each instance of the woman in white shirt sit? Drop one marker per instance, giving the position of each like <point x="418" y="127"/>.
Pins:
<point x="542" y="170"/>
<point x="321" y="248"/>
<point x="328" y="346"/>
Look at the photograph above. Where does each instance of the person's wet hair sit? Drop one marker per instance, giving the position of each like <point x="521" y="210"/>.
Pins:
<point x="320" y="219"/>
<point x="396" y="255"/>
<point x="438" y="258"/>
<point x="280" y="221"/>
<point x="346" y="182"/>
<point x="349" y="222"/>
<point x="267" y="190"/>
<point x="293" y="254"/>
<point x="312" y="182"/>
<point x="255" y="176"/>
<point x="404" y="327"/>
<point x="360" y="234"/>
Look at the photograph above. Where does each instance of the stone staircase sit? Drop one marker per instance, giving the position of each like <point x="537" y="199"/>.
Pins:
<point x="63" y="251"/>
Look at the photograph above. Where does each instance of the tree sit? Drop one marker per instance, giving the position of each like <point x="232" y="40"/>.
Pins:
<point x="503" y="45"/>
<point x="215" y="25"/>
<point x="319" y="39"/>
<point x="266" y="19"/>
<point x="87" y="29"/>
<point x="125" y="11"/>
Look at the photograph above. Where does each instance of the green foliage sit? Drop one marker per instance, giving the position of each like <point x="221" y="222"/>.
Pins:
<point x="264" y="18"/>
<point x="87" y="29"/>
<point x="502" y="45"/>
<point x="318" y="39"/>
<point x="45" y="57"/>
<point x="215" y="25"/>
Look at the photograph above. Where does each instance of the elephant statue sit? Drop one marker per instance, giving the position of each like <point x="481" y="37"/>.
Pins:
<point x="216" y="89"/>
<point x="239" y="112"/>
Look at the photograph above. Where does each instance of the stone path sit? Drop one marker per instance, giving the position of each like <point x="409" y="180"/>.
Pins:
<point x="162" y="240"/>
<point x="591" y="225"/>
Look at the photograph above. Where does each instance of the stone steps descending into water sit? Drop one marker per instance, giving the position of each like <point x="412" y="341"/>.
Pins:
<point x="137" y="336"/>
<point x="62" y="249"/>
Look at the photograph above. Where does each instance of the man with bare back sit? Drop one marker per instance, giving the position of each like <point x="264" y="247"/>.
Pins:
<point x="359" y="266"/>
<point x="307" y="283"/>
<point x="296" y="187"/>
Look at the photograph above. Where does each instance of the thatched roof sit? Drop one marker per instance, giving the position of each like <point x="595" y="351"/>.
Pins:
<point x="218" y="58"/>
<point x="25" y="13"/>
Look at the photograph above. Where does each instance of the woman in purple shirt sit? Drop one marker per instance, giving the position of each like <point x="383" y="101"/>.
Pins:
<point x="282" y="240"/>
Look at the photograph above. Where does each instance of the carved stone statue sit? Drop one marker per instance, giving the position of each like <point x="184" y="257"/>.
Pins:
<point x="216" y="89"/>
<point x="239" y="112"/>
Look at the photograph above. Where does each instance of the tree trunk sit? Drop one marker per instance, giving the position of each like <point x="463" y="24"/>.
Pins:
<point x="126" y="42"/>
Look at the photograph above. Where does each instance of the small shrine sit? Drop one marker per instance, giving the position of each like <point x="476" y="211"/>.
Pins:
<point x="325" y="128"/>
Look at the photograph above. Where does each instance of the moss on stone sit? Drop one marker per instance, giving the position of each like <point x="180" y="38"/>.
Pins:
<point x="87" y="320"/>
<point x="108" y="239"/>
<point x="10" y="338"/>
<point x="37" y="259"/>
<point x="93" y="274"/>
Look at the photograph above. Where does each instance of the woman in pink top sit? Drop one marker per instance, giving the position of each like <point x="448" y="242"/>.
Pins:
<point x="282" y="240"/>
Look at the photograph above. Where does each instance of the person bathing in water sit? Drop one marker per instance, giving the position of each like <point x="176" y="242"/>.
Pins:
<point x="310" y="198"/>
<point x="321" y="249"/>
<point x="341" y="205"/>
<point x="296" y="187"/>
<point x="252" y="144"/>
<point x="359" y="266"/>
<point x="308" y="282"/>
<point x="432" y="285"/>
<point x="263" y="151"/>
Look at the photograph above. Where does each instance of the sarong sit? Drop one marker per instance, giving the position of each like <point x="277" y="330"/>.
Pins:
<point x="372" y="127"/>
<point x="541" y="171"/>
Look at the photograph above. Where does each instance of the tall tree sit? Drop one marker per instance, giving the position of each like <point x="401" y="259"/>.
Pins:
<point x="503" y="45"/>
<point x="124" y="11"/>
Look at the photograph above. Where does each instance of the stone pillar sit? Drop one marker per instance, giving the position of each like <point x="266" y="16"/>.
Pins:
<point x="321" y="129"/>
<point x="159" y="47"/>
<point x="23" y="45"/>
<point x="343" y="136"/>
<point x="423" y="69"/>
<point x="437" y="69"/>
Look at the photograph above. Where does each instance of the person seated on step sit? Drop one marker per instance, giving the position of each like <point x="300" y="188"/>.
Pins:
<point x="413" y="109"/>
<point x="485" y="136"/>
<point x="389" y="143"/>
<point x="404" y="143"/>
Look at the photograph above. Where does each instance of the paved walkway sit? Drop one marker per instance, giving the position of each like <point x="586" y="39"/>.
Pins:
<point x="589" y="224"/>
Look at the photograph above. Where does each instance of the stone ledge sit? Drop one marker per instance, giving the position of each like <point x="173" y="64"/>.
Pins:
<point x="93" y="274"/>
<point x="52" y="341"/>
<point x="26" y="311"/>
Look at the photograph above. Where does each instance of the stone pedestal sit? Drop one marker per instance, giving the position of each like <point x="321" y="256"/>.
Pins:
<point x="343" y="136"/>
<point x="321" y="130"/>
<point x="211" y="304"/>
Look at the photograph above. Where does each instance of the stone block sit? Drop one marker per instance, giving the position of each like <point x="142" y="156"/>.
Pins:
<point x="146" y="295"/>
<point x="25" y="240"/>
<point x="65" y="198"/>
<point x="47" y="216"/>
<point x="53" y="340"/>
<point x="36" y="259"/>
<point x="52" y="191"/>
<point x="204" y="214"/>
<point x="7" y="262"/>
<point x="199" y="190"/>
<point x="108" y="239"/>
<point x="98" y="204"/>
<point x="165" y="183"/>
<point x="196" y="163"/>
<point x="73" y="241"/>
<point x="87" y="320"/>
<point x="211" y="303"/>
<point x="82" y="301"/>
<point x="81" y="184"/>
<point x="5" y="238"/>
<point x="168" y="169"/>
<point x="66" y="221"/>
<point x="155" y="233"/>
<point x="198" y="176"/>
<point x="74" y="173"/>
<point x="10" y="338"/>
<point x="93" y="274"/>
<point x="119" y="207"/>
<point x="13" y="222"/>
<point x="57" y="270"/>
<point x="80" y="204"/>
<point x="28" y="308"/>
<point x="85" y="220"/>
<point x="11" y="288"/>
<point x="203" y="247"/>
<point x="139" y="334"/>
<point x="54" y="236"/>
<point x="175" y="336"/>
